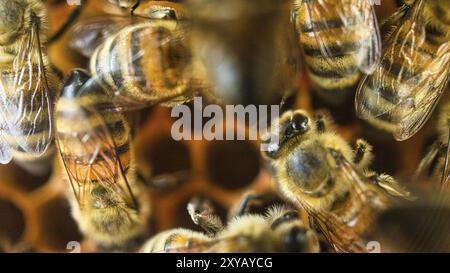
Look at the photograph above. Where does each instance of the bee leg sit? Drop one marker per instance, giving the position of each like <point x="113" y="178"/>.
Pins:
<point x="390" y="185"/>
<point x="323" y="121"/>
<point x="135" y="6"/>
<point x="363" y="155"/>
<point x="245" y="204"/>
<point x="203" y="215"/>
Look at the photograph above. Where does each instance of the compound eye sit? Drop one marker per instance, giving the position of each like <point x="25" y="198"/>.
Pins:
<point x="299" y="124"/>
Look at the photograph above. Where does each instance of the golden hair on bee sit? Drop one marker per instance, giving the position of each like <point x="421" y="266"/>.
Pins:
<point x="248" y="233"/>
<point x="173" y="240"/>
<point x="319" y="171"/>
<point x="110" y="206"/>
<point x="294" y="235"/>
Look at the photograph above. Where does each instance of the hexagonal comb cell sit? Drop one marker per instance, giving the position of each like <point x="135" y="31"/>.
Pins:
<point x="232" y="164"/>
<point x="222" y="171"/>
<point x="164" y="163"/>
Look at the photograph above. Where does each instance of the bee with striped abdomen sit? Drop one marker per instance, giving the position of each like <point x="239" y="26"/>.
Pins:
<point x="340" y="41"/>
<point x="28" y="85"/>
<point x="88" y="33"/>
<point x="280" y="230"/>
<point x="110" y="206"/>
<point x="402" y="93"/>
<point x="147" y="63"/>
<point x="319" y="171"/>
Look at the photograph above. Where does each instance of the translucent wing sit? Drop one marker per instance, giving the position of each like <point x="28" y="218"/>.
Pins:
<point x="339" y="235"/>
<point x="371" y="192"/>
<point x="91" y="156"/>
<point x="5" y="154"/>
<point x="26" y="98"/>
<point x="88" y="34"/>
<point x="345" y="29"/>
<point x="145" y="64"/>
<point x="407" y="85"/>
<point x="430" y="85"/>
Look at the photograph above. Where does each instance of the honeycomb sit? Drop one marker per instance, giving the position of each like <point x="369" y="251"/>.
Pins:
<point x="35" y="215"/>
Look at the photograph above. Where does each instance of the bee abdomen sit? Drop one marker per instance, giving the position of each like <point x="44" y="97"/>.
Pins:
<point x="144" y="63"/>
<point x="334" y="73"/>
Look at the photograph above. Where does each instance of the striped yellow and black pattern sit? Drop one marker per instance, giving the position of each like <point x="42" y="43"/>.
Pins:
<point x="144" y="64"/>
<point x="28" y="83"/>
<point x="96" y="150"/>
<point x="336" y="42"/>
<point x="413" y="73"/>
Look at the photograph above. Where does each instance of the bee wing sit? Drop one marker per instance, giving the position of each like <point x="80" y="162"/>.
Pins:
<point x="356" y="19"/>
<point x="26" y="99"/>
<point x="339" y="235"/>
<point x="88" y="34"/>
<point x="5" y="154"/>
<point x="97" y="162"/>
<point x="410" y="79"/>
<point x="426" y="94"/>
<point x="365" y="188"/>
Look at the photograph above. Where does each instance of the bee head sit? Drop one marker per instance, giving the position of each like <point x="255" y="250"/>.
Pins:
<point x="291" y="126"/>
<point x="287" y="224"/>
<point x="11" y="15"/>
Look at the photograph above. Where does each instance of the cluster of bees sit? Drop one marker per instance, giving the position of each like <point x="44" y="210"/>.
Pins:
<point x="233" y="52"/>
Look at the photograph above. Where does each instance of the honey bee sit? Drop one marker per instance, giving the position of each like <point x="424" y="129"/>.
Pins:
<point x="246" y="48"/>
<point x="436" y="162"/>
<point x="280" y="230"/>
<point x="110" y="206"/>
<point x="249" y="233"/>
<point x="290" y="234"/>
<point x="402" y="93"/>
<point x="293" y="235"/>
<point x="28" y="84"/>
<point x="319" y="171"/>
<point x="340" y="41"/>
<point x="147" y="63"/>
